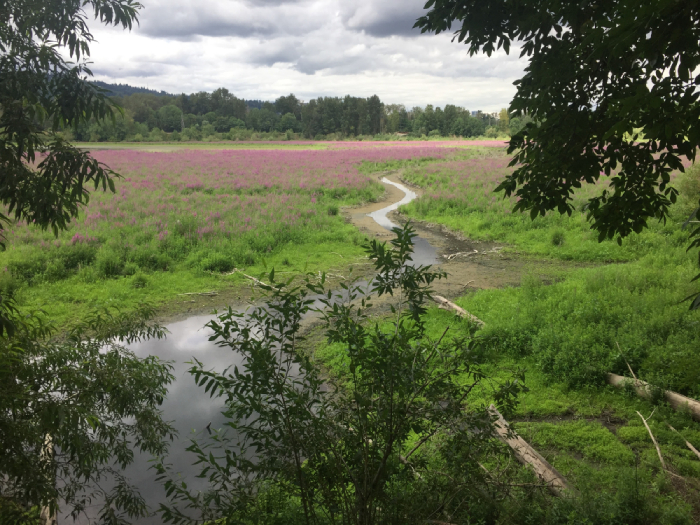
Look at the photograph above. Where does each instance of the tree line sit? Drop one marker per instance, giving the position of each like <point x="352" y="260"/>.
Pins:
<point x="222" y="115"/>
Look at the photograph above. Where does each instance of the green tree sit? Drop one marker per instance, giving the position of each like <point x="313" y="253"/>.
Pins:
<point x="288" y="121"/>
<point x="72" y="411"/>
<point x="375" y="109"/>
<point x="598" y="73"/>
<point x="169" y="118"/>
<point x="71" y="407"/>
<point x="288" y="104"/>
<point x="503" y="121"/>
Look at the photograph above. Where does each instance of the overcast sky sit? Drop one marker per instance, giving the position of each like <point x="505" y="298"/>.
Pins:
<point x="261" y="49"/>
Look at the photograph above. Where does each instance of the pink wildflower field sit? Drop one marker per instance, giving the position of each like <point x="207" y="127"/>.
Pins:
<point x="215" y="209"/>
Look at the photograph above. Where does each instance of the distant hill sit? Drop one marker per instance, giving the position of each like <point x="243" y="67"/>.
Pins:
<point x="124" y="90"/>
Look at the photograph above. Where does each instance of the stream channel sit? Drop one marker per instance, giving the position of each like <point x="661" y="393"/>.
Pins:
<point x="187" y="406"/>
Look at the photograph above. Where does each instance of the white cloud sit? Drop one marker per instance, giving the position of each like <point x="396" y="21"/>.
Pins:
<point x="266" y="48"/>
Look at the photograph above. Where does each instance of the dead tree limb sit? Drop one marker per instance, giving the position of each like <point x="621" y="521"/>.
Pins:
<point x="687" y="443"/>
<point x="444" y="304"/>
<point x="677" y="401"/>
<point x="256" y="281"/>
<point x="527" y="455"/>
<point x="653" y="439"/>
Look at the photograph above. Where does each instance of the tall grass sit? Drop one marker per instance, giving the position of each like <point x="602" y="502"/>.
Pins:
<point x="459" y="193"/>
<point x="578" y="329"/>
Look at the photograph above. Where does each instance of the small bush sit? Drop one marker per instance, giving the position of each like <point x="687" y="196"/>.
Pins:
<point x="109" y="263"/>
<point x="139" y="280"/>
<point x="27" y="268"/>
<point x="218" y="263"/>
<point x="88" y="275"/>
<point x="333" y="210"/>
<point x="8" y="284"/>
<point x="130" y="269"/>
<point x="558" y="238"/>
<point x="247" y="259"/>
<point x="77" y="255"/>
<point x="149" y="258"/>
<point x="55" y="271"/>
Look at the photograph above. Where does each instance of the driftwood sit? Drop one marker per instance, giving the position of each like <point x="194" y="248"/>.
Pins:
<point x="453" y="255"/>
<point x="644" y="389"/>
<point x="449" y="305"/>
<point x="206" y="294"/>
<point x="527" y="455"/>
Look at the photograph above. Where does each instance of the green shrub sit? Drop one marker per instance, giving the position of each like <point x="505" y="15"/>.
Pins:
<point x="109" y="263"/>
<point x="139" y="280"/>
<point x="246" y="259"/>
<point x="558" y="238"/>
<point x="77" y="255"/>
<point x="88" y="275"/>
<point x="55" y="270"/>
<point x="8" y="284"/>
<point x="28" y="267"/>
<point x="130" y="269"/>
<point x="218" y="263"/>
<point x="149" y="258"/>
<point x="333" y="210"/>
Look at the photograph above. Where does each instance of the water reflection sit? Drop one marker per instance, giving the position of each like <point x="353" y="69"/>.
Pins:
<point x="188" y="407"/>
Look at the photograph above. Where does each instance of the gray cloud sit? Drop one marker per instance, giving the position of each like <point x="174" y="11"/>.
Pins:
<point x="381" y="19"/>
<point x="267" y="48"/>
<point x="187" y="20"/>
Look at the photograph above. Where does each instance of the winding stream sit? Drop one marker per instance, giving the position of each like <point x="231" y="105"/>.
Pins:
<point x="423" y="252"/>
<point x="188" y="406"/>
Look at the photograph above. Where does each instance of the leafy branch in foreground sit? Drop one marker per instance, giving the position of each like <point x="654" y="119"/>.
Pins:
<point x="73" y="410"/>
<point x="43" y="179"/>
<point x="390" y="438"/>
<point x="612" y="88"/>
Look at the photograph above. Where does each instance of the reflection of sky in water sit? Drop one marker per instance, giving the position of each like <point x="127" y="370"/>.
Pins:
<point x="423" y="252"/>
<point x="188" y="407"/>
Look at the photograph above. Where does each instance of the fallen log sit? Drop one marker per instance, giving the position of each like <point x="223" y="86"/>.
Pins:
<point x="444" y="304"/>
<point x="527" y="455"/>
<point x="206" y="294"/>
<point x="644" y="389"/>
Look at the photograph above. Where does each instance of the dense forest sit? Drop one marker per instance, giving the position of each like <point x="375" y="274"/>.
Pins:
<point x="155" y="116"/>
